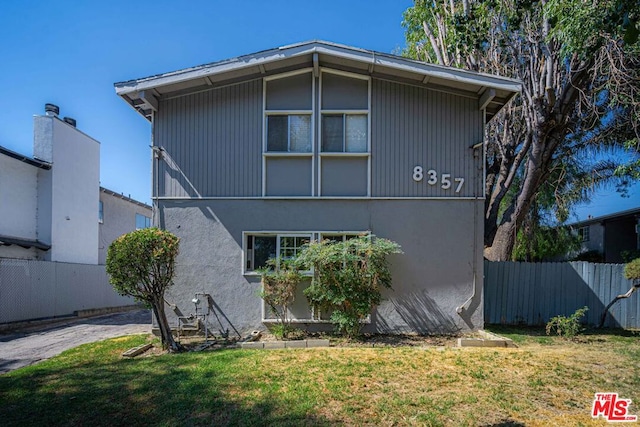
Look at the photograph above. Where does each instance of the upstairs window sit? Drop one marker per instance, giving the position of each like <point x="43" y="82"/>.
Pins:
<point x="100" y="212"/>
<point x="583" y="233"/>
<point x="289" y="133"/>
<point x="288" y="101"/>
<point x="344" y="133"/>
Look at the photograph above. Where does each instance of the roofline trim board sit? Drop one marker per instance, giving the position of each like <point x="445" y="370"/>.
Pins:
<point x="322" y="48"/>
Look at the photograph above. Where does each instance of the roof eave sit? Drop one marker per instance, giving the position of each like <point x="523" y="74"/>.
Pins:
<point x="130" y="90"/>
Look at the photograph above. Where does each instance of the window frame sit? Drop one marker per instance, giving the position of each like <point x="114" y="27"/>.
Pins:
<point x="147" y="220"/>
<point x="585" y="233"/>
<point x="249" y="257"/>
<point x="288" y="114"/>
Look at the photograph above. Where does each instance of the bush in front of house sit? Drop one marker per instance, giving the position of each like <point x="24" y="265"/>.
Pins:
<point x="280" y="280"/>
<point x="348" y="277"/>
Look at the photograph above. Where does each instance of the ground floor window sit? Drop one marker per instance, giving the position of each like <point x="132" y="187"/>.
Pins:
<point x="260" y="246"/>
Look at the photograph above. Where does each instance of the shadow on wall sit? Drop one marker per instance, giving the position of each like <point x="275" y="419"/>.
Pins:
<point x="421" y="313"/>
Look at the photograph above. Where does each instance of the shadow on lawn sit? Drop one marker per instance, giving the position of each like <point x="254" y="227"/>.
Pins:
<point x="144" y="392"/>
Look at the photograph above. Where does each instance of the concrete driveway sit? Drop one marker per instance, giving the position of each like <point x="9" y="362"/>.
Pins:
<point x="25" y="348"/>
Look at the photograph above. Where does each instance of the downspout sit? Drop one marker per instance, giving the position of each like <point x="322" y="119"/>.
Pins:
<point x="462" y="308"/>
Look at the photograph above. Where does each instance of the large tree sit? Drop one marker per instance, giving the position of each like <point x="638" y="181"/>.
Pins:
<point x="141" y="264"/>
<point x="579" y="109"/>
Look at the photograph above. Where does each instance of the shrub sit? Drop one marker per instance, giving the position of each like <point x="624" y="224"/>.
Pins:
<point x="141" y="264"/>
<point x="632" y="270"/>
<point x="567" y="327"/>
<point x="280" y="281"/>
<point x="348" y="277"/>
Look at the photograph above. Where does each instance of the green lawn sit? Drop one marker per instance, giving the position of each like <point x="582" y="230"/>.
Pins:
<point x="545" y="382"/>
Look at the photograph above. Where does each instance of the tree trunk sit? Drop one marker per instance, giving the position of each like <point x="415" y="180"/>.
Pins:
<point x="168" y="343"/>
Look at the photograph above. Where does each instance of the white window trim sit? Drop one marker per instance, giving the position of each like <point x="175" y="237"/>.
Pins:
<point x="288" y="114"/>
<point x="315" y="236"/>
<point x="366" y="153"/>
<point x="266" y="154"/>
<point x="277" y="234"/>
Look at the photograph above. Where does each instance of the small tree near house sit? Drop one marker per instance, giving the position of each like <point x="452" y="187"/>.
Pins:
<point x="141" y="264"/>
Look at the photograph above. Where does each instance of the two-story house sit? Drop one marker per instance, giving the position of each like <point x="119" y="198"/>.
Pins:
<point x="257" y="155"/>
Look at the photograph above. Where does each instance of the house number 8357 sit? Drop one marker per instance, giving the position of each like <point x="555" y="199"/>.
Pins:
<point x="443" y="179"/>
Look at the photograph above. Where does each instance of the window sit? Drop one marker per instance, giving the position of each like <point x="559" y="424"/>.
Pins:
<point x="142" y="221"/>
<point x="261" y="247"/>
<point x="583" y="233"/>
<point x="344" y="133"/>
<point x="289" y="133"/>
<point x="100" y="212"/>
<point x="316" y="129"/>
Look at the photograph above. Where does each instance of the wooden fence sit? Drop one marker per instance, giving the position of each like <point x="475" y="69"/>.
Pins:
<point x="531" y="293"/>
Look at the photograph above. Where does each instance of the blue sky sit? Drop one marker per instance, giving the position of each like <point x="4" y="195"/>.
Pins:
<point x="70" y="53"/>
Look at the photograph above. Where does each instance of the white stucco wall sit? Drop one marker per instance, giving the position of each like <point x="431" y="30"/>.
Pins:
<point x="74" y="190"/>
<point x="18" y="190"/>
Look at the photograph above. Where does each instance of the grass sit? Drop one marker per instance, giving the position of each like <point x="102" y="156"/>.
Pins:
<point x="545" y="382"/>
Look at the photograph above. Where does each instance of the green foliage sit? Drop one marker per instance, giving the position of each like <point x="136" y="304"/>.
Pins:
<point x="567" y="327"/>
<point x="632" y="270"/>
<point x="579" y="28"/>
<point x="280" y="281"/>
<point x="141" y="263"/>
<point x="539" y="243"/>
<point x="348" y="278"/>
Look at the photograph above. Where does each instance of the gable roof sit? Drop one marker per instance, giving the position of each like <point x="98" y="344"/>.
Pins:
<point x="492" y="92"/>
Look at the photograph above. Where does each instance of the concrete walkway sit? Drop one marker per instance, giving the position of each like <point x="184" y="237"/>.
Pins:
<point x="27" y="347"/>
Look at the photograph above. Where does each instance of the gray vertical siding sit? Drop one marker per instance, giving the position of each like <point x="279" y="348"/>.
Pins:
<point x="532" y="293"/>
<point x="213" y="143"/>
<point x="414" y="126"/>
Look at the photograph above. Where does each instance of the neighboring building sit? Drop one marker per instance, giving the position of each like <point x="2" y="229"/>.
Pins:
<point x="117" y="215"/>
<point x="610" y="235"/>
<point x="49" y="203"/>
<point x="257" y="155"/>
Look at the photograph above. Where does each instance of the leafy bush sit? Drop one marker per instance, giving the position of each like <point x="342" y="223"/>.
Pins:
<point x="141" y="264"/>
<point x="632" y="270"/>
<point x="347" y="279"/>
<point x="567" y="327"/>
<point x="280" y="281"/>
